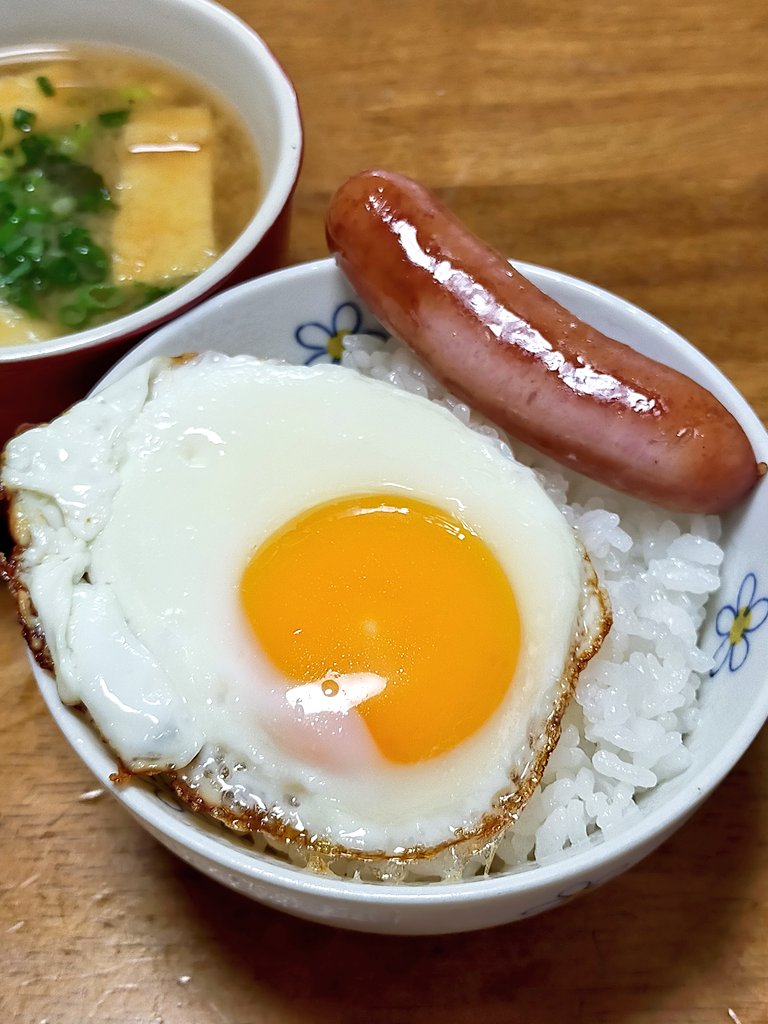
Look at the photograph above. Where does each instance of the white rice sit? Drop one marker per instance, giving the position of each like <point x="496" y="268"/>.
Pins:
<point x="625" y="732"/>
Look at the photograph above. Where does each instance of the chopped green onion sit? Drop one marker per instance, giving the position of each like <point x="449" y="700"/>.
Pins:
<point x="23" y="120"/>
<point x="93" y="299"/>
<point x="64" y="206"/>
<point x="114" y="118"/>
<point x="135" y="93"/>
<point x="147" y="293"/>
<point x="75" y="142"/>
<point x="45" y="86"/>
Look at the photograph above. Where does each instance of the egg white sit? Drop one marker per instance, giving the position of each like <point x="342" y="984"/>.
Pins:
<point x="138" y="511"/>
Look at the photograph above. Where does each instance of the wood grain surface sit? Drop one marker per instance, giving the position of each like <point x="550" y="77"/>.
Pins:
<point x="625" y="143"/>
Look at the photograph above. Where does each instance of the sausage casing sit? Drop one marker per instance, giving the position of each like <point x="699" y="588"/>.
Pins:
<point x="494" y="339"/>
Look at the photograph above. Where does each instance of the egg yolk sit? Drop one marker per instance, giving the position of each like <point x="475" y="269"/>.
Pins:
<point x="398" y="588"/>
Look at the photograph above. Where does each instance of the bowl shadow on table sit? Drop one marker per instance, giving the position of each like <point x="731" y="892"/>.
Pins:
<point x="620" y="951"/>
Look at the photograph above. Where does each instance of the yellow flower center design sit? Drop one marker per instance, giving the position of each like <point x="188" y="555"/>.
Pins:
<point x="740" y="626"/>
<point x="335" y="344"/>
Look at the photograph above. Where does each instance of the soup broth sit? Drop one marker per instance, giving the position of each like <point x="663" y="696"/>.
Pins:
<point x="120" y="179"/>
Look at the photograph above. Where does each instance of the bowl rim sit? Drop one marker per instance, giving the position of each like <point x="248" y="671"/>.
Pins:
<point x="615" y="851"/>
<point x="284" y="181"/>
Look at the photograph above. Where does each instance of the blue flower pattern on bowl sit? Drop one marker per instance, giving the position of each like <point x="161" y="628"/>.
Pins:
<point x="735" y="623"/>
<point x="325" y="342"/>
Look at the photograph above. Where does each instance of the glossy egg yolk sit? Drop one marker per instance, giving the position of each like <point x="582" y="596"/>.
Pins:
<point x="398" y="588"/>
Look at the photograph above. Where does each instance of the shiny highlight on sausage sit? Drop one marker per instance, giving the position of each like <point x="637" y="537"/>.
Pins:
<point x="514" y="354"/>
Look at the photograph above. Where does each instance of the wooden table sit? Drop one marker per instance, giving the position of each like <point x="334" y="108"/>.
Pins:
<point x="626" y="143"/>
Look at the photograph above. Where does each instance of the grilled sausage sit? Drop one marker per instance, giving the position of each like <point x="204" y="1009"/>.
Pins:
<point x="514" y="354"/>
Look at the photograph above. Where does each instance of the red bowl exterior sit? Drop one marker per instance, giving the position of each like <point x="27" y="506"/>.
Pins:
<point x="36" y="390"/>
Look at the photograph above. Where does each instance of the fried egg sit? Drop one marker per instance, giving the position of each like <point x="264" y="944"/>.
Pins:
<point x="323" y="607"/>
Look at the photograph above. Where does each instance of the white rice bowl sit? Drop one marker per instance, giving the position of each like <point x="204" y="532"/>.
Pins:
<point x="649" y="733"/>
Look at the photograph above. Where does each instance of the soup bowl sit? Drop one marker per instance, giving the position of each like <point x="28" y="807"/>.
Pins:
<point x="300" y="315"/>
<point x="38" y="379"/>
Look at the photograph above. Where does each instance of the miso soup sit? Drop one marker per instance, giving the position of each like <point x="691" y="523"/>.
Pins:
<point x="120" y="179"/>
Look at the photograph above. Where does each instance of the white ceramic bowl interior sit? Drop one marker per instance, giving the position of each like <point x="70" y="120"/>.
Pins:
<point x="291" y="315"/>
<point x="210" y="43"/>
